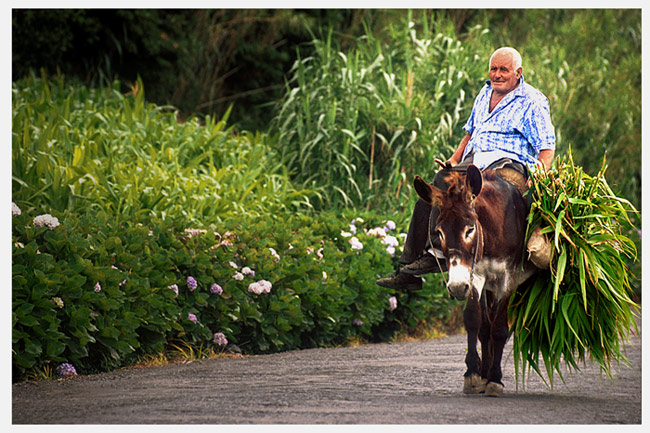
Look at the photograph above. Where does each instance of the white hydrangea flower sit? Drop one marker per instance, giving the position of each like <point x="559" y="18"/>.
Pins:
<point x="260" y="287"/>
<point x="46" y="220"/>
<point x="355" y="244"/>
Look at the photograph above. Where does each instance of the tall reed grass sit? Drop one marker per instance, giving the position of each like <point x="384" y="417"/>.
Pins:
<point x="357" y="125"/>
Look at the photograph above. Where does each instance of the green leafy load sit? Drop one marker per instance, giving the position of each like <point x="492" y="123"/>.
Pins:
<point x="582" y="305"/>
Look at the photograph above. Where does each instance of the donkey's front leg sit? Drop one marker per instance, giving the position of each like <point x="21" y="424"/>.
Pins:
<point x="473" y="383"/>
<point x="499" y="337"/>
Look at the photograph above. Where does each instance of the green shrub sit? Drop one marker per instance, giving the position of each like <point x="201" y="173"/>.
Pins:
<point x="97" y="291"/>
<point x="142" y="202"/>
<point x="81" y="149"/>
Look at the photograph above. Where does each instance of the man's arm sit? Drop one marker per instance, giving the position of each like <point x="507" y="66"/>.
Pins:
<point x="458" y="154"/>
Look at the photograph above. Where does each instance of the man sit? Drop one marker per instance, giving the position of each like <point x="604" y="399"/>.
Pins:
<point x="508" y="131"/>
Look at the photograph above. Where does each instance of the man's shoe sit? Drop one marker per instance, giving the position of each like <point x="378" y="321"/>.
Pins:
<point x="425" y="265"/>
<point x="400" y="281"/>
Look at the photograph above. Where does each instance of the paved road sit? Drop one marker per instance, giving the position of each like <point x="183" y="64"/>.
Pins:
<point x="399" y="383"/>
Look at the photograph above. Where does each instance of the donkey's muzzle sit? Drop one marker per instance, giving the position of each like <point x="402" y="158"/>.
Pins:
<point x="458" y="285"/>
<point x="458" y="291"/>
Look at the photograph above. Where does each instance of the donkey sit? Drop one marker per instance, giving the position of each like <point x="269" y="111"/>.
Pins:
<point x="482" y="228"/>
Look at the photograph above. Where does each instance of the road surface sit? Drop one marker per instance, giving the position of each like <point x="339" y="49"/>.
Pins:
<point x="400" y="383"/>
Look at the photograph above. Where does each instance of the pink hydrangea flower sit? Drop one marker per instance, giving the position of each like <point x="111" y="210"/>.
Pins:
<point x="220" y="339"/>
<point x="216" y="289"/>
<point x="66" y="370"/>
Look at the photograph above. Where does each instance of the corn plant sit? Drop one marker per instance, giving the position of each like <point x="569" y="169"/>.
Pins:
<point x="582" y="306"/>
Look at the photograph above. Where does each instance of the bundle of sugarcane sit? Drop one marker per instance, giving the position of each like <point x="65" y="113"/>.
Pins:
<point x="581" y="306"/>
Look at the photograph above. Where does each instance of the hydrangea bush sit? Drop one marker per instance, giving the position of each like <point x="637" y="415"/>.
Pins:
<point x="99" y="293"/>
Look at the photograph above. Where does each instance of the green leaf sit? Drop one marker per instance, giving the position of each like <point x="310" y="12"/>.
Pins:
<point x="559" y="274"/>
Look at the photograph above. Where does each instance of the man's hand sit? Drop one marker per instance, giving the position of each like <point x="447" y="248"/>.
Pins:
<point x="546" y="158"/>
<point x="452" y="161"/>
<point x="544" y="163"/>
<point x="444" y="164"/>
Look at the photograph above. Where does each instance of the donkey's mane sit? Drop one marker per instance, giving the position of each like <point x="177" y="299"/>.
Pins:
<point x="458" y="190"/>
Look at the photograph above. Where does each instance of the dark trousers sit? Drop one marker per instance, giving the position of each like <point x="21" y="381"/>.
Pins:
<point x="424" y="214"/>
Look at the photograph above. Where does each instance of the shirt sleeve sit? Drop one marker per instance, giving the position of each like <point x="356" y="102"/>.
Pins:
<point x="537" y="127"/>
<point x="469" y="126"/>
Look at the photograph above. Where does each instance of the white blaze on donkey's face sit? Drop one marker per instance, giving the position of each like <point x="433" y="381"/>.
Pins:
<point x="460" y="276"/>
<point x="461" y="270"/>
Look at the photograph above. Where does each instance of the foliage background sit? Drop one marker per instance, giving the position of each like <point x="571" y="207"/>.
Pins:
<point x="201" y="61"/>
<point x="264" y="121"/>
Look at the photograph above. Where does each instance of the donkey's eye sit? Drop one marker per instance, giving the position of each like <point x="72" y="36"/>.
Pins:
<point x="469" y="233"/>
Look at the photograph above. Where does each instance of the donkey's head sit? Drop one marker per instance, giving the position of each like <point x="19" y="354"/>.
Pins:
<point x="457" y="226"/>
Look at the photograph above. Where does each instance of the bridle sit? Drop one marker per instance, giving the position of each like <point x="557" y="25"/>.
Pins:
<point x="478" y="245"/>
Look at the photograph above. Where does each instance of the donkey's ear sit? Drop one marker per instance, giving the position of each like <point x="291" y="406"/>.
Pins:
<point x="423" y="189"/>
<point x="474" y="180"/>
<point x="427" y="192"/>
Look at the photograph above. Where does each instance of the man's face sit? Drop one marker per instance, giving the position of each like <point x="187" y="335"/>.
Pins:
<point x="503" y="77"/>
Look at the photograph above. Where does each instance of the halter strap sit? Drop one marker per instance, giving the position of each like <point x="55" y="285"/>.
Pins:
<point x="479" y="246"/>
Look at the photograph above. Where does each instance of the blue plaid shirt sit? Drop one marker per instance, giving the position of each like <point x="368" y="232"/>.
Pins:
<point x="518" y="127"/>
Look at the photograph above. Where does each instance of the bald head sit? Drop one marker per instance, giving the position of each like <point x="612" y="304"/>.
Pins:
<point x="504" y="71"/>
<point x="508" y="53"/>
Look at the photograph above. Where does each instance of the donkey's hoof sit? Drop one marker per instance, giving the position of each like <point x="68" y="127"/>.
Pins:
<point x="494" y="389"/>
<point x="474" y="384"/>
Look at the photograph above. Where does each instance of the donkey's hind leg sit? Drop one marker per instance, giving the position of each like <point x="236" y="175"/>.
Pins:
<point x="473" y="383"/>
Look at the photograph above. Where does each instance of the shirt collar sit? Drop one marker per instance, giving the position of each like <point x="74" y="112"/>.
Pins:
<point x="519" y="91"/>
